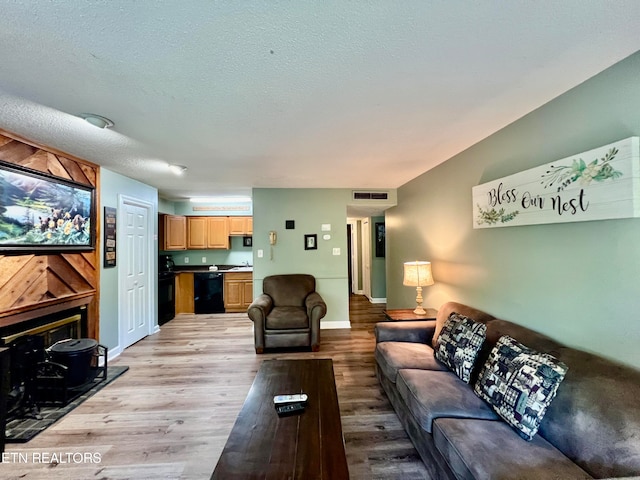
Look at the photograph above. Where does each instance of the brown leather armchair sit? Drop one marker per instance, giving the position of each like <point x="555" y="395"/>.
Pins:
<point x="288" y="313"/>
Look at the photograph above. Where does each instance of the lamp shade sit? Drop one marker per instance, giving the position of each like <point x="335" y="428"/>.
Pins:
<point x="417" y="274"/>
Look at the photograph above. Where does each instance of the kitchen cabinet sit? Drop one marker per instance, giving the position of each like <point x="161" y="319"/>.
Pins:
<point x="184" y="293"/>
<point x="207" y="232"/>
<point x="238" y="291"/>
<point x="173" y="232"/>
<point x="218" y="232"/>
<point x="240" y="225"/>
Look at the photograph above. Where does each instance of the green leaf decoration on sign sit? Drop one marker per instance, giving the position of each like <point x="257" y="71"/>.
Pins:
<point x="493" y="216"/>
<point x="598" y="170"/>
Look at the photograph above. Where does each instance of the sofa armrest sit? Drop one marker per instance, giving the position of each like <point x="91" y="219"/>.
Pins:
<point x="420" y="331"/>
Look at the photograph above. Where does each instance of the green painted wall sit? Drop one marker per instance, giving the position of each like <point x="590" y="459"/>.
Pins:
<point x="166" y="206"/>
<point x="111" y="186"/>
<point x="309" y="208"/>
<point x="577" y="282"/>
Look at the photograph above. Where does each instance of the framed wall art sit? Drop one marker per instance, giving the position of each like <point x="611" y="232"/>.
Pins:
<point x="40" y="212"/>
<point x="311" y="242"/>
<point x="109" y="237"/>
<point x="380" y="239"/>
<point x="599" y="184"/>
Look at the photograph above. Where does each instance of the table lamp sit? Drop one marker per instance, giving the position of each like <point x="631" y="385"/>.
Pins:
<point x="418" y="274"/>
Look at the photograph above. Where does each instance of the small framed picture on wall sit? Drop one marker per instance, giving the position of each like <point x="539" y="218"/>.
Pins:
<point x="311" y="242"/>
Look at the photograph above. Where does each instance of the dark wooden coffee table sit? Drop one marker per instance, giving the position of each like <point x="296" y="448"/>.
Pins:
<point x="304" y="446"/>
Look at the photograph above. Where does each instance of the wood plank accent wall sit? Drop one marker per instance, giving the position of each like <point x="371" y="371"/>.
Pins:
<point x="33" y="285"/>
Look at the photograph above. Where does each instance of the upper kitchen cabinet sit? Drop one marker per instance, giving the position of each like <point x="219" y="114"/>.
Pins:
<point x="218" y="232"/>
<point x="173" y="232"/>
<point x="240" y="225"/>
<point x="207" y="232"/>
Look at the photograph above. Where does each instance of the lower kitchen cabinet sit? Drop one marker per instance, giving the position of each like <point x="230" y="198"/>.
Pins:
<point x="238" y="291"/>
<point x="184" y="293"/>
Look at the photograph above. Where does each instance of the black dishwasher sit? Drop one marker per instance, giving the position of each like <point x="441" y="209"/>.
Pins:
<point x="207" y="290"/>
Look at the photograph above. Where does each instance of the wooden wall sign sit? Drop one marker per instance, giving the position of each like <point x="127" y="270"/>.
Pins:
<point x="603" y="183"/>
<point x="109" y="237"/>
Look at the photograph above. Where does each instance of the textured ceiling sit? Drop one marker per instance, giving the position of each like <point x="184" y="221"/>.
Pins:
<point x="359" y="94"/>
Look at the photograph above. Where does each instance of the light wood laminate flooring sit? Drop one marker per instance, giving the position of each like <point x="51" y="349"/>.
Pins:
<point x="170" y="415"/>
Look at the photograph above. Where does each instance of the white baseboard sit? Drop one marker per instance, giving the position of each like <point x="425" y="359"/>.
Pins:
<point x="334" y="325"/>
<point x="114" y="353"/>
<point x="377" y="300"/>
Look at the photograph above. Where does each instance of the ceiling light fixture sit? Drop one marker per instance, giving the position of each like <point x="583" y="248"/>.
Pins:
<point x="178" y="169"/>
<point x="223" y="199"/>
<point x="97" y="120"/>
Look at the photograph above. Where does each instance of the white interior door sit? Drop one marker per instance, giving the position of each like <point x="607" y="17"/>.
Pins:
<point x="366" y="257"/>
<point x="135" y="306"/>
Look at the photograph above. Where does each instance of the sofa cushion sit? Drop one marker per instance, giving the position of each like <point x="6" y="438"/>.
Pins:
<point x="392" y="356"/>
<point x="491" y="449"/>
<point x="520" y="383"/>
<point x="281" y="318"/>
<point x="458" y="344"/>
<point x="431" y="394"/>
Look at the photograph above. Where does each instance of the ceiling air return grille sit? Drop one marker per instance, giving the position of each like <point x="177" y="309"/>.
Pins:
<point x="370" y="195"/>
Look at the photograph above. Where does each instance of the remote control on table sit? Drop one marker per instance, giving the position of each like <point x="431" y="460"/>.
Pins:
<point x="296" y="398"/>
<point x="289" y="408"/>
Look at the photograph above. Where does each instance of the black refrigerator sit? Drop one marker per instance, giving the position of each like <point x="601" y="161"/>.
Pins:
<point x="208" y="294"/>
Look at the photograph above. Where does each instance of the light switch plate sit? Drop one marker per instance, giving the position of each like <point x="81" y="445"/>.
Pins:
<point x="326" y="227"/>
<point x="260" y="253"/>
<point x="336" y="251"/>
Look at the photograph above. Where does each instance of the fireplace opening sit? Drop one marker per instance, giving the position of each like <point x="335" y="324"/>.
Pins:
<point x="70" y="323"/>
<point x="50" y="361"/>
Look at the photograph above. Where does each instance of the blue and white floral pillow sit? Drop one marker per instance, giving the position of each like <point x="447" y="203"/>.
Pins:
<point x="458" y="344"/>
<point x="520" y="384"/>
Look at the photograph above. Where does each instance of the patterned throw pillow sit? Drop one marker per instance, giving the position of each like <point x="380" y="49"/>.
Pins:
<point x="520" y="384"/>
<point x="458" y="344"/>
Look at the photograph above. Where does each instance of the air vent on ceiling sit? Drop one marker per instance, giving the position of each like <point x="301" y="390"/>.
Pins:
<point x="370" y="196"/>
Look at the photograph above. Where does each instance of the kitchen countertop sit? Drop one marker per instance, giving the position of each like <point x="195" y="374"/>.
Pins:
<point x="205" y="269"/>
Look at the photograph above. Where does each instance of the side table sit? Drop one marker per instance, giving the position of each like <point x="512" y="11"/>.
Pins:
<point x="406" y="314"/>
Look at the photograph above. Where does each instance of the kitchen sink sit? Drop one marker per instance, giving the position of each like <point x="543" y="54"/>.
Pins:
<point x="240" y="269"/>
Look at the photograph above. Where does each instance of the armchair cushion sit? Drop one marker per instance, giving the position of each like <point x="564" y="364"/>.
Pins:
<point x="284" y="318"/>
<point x="289" y="290"/>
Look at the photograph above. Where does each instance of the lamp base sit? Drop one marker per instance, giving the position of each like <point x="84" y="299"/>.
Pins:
<point x="419" y="310"/>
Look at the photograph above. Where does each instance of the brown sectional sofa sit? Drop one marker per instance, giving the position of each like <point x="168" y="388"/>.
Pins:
<point x="590" y="430"/>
